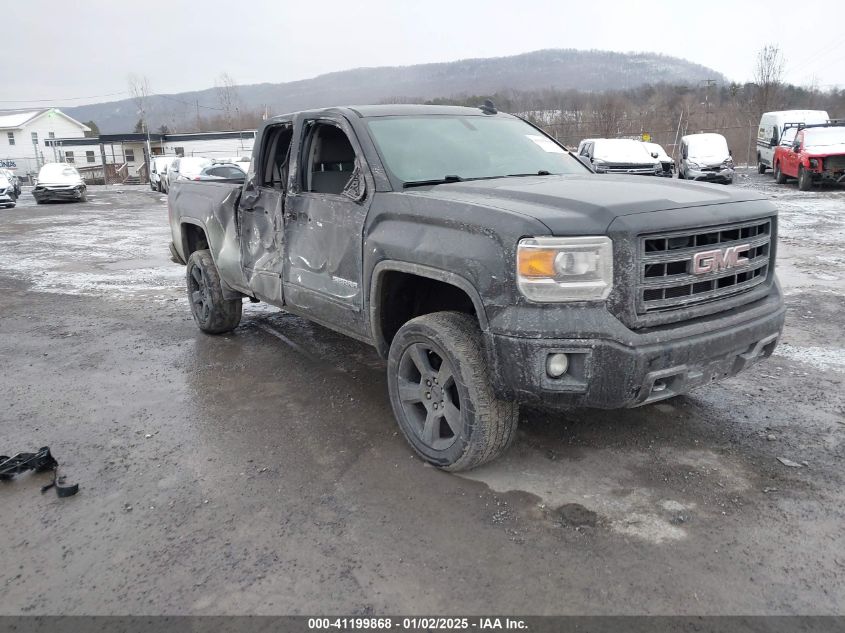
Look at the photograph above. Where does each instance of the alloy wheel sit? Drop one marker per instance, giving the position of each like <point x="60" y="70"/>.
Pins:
<point x="429" y="396"/>
<point x="200" y="300"/>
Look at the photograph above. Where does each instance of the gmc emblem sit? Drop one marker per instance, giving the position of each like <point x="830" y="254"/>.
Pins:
<point x="719" y="259"/>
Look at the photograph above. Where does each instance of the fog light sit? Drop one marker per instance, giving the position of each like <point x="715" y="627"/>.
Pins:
<point x="556" y="365"/>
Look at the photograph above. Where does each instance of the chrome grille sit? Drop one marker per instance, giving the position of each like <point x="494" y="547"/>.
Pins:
<point x="666" y="278"/>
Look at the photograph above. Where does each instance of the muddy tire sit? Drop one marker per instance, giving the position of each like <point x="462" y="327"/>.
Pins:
<point x="441" y="394"/>
<point x="805" y="179"/>
<point x="212" y="313"/>
<point x="779" y="177"/>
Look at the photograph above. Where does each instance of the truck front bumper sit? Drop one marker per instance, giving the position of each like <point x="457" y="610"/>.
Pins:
<point x="612" y="374"/>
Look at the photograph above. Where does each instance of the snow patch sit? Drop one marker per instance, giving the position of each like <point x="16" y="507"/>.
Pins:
<point x="824" y="358"/>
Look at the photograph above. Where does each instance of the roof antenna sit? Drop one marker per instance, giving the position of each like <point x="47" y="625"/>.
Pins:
<point x="488" y="108"/>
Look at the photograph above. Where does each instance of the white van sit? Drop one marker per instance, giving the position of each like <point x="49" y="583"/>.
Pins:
<point x="771" y="128"/>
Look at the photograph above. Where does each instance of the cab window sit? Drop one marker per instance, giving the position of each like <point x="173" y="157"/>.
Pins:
<point x="275" y="156"/>
<point x="329" y="157"/>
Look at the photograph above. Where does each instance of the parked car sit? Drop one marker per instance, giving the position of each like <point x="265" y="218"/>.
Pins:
<point x="221" y="171"/>
<point x="13" y="179"/>
<point x="657" y="151"/>
<point x="240" y="161"/>
<point x="8" y="196"/>
<point x="812" y="154"/>
<point x="771" y="129"/>
<point x="706" y="157"/>
<point x="620" y="156"/>
<point x="158" y="167"/>
<point x="185" y="168"/>
<point x="59" y="181"/>
<point x="488" y="265"/>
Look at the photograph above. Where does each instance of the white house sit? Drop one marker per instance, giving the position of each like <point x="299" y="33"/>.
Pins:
<point x="24" y="135"/>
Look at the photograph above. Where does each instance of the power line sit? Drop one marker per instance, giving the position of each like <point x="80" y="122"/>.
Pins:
<point x="111" y="94"/>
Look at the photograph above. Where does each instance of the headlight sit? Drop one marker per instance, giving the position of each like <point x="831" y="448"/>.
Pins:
<point x="599" y="165"/>
<point x="565" y="268"/>
<point x="692" y="165"/>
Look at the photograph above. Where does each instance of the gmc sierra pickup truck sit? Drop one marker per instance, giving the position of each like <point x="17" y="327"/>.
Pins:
<point x="486" y="263"/>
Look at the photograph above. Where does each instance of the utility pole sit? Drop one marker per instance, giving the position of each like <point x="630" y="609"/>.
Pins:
<point x="708" y="83"/>
<point x="198" y="115"/>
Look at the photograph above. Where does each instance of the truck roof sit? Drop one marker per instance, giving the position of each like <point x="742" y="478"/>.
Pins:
<point x="398" y="109"/>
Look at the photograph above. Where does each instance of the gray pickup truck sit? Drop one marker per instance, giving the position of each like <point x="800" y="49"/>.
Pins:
<point x="486" y="263"/>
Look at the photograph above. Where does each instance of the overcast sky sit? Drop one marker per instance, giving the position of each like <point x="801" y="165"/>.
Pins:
<point x="59" y="51"/>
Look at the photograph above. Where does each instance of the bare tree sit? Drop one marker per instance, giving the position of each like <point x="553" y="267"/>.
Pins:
<point x="768" y="76"/>
<point x="227" y="97"/>
<point x="609" y="112"/>
<point x="139" y="88"/>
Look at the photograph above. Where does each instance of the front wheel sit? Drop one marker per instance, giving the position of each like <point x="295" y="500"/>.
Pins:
<point x="805" y="179"/>
<point x="761" y="168"/>
<point x="212" y="312"/>
<point x="441" y="393"/>
<point x="779" y="177"/>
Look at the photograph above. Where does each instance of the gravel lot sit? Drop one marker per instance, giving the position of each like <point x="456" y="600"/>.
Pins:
<point x="262" y="472"/>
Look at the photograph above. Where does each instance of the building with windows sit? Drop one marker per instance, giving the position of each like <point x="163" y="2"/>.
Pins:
<point x="24" y="136"/>
<point x="124" y="158"/>
<point x="30" y="138"/>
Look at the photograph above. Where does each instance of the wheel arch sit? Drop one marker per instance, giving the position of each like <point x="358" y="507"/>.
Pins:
<point x="193" y="235"/>
<point x="386" y="272"/>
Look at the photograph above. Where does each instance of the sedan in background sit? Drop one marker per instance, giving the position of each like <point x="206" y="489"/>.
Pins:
<point x="158" y="167"/>
<point x="13" y="179"/>
<point x="222" y="171"/>
<point x="8" y="196"/>
<point x="58" y="182"/>
<point x="186" y="168"/>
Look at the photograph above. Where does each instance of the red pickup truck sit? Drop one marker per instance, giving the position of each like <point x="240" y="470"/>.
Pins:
<point x="812" y="154"/>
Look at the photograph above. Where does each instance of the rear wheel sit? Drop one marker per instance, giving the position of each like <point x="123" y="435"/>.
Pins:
<point x="779" y="177"/>
<point x="212" y="312"/>
<point x="441" y="393"/>
<point x="761" y="168"/>
<point x="805" y="179"/>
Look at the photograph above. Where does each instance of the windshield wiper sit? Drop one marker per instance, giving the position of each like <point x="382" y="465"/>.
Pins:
<point x="435" y="181"/>
<point x="542" y="172"/>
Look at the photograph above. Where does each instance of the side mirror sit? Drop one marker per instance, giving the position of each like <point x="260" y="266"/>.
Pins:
<point x="796" y="147"/>
<point x="654" y="154"/>
<point x="774" y="140"/>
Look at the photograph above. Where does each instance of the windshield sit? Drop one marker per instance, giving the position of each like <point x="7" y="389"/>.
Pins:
<point x="620" y="150"/>
<point x="430" y="148"/>
<point x="657" y="149"/>
<point x="788" y="136"/>
<point x="708" y="146"/>
<point x="824" y="138"/>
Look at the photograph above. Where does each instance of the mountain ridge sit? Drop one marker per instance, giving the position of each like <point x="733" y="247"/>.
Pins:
<point x="561" y="69"/>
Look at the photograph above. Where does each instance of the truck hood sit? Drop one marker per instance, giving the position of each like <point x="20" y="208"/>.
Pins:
<point x="585" y="204"/>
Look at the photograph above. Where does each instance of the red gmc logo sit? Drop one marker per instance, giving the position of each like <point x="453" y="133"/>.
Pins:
<point x="719" y="259"/>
